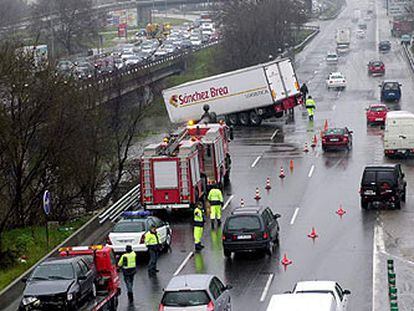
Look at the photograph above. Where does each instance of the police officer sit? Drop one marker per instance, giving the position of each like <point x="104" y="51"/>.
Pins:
<point x="198" y="226"/>
<point x="152" y="242"/>
<point x="215" y="197"/>
<point x="310" y="106"/>
<point x="128" y="264"/>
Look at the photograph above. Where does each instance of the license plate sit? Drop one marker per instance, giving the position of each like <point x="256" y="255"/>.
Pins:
<point x="369" y="192"/>
<point x="125" y="241"/>
<point x="391" y="94"/>
<point x="402" y="150"/>
<point x="244" y="237"/>
<point x="334" y="139"/>
<point x="379" y="119"/>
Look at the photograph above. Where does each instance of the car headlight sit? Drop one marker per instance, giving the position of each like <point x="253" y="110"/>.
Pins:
<point x="69" y="297"/>
<point x="29" y="300"/>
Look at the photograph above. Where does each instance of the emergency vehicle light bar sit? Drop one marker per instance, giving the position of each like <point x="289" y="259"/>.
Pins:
<point x="81" y="248"/>
<point x="127" y="214"/>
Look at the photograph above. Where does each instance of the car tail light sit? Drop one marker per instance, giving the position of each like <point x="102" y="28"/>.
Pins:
<point x="108" y="240"/>
<point x="234" y="237"/>
<point x="161" y="307"/>
<point x="142" y="240"/>
<point x="223" y="237"/>
<point x="210" y="306"/>
<point x="265" y="235"/>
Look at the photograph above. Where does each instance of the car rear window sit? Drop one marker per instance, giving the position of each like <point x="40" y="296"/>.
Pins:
<point x="185" y="298"/>
<point x="377" y="64"/>
<point x="244" y="223"/>
<point x="391" y="86"/>
<point x="377" y="109"/>
<point x="368" y="178"/>
<point x="386" y="176"/>
<point x="133" y="226"/>
<point x="335" y="132"/>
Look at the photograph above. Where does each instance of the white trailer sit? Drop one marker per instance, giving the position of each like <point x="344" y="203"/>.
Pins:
<point x="244" y="96"/>
<point x="343" y="40"/>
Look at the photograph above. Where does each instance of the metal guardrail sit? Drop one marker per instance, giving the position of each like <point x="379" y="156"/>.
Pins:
<point x="129" y="200"/>
<point x="409" y="56"/>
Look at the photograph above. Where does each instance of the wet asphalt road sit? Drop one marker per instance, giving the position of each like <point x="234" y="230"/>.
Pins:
<point x="310" y="194"/>
<point x="314" y="190"/>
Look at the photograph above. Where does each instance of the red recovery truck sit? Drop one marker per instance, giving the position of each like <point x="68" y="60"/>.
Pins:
<point x="402" y="27"/>
<point x="178" y="172"/>
<point x="108" y="283"/>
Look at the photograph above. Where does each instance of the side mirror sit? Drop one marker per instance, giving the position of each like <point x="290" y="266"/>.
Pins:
<point x="400" y="84"/>
<point x="277" y="216"/>
<point x="25" y="278"/>
<point x="351" y="132"/>
<point x="347" y="292"/>
<point x="366" y="109"/>
<point x="228" y="286"/>
<point x="288" y="292"/>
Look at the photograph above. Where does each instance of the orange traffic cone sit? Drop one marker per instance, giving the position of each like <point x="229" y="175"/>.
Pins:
<point x="291" y="165"/>
<point x="341" y="212"/>
<point x="241" y="203"/>
<point x="257" y="195"/>
<point x="286" y="261"/>
<point x="268" y="186"/>
<point x="282" y="173"/>
<point x="314" y="141"/>
<point x="306" y="149"/>
<point x="313" y="235"/>
<point x="325" y="126"/>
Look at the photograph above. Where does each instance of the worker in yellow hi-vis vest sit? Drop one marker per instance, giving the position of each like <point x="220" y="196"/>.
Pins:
<point x="215" y="197"/>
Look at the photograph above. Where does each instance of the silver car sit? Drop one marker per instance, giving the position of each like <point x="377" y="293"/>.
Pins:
<point x="196" y="292"/>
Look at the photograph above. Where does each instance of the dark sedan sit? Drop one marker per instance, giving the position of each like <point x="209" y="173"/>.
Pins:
<point x="337" y="138"/>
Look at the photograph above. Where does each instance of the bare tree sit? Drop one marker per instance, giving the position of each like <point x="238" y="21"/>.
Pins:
<point x="253" y="30"/>
<point x="70" y="24"/>
<point x="11" y="11"/>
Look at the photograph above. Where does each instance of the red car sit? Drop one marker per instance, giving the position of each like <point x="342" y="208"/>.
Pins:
<point x="376" y="67"/>
<point x="337" y="138"/>
<point x="376" y="113"/>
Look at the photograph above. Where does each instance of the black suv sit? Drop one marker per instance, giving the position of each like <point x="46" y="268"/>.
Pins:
<point x="384" y="46"/>
<point x="250" y="228"/>
<point x="383" y="184"/>
<point x="60" y="284"/>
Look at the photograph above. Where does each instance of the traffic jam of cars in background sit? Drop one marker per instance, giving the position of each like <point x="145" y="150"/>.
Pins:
<point x="155" y="42"/>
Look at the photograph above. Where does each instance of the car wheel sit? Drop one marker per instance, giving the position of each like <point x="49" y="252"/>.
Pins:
<point x="114" y="304"/>
<point x="276" y="242"/>
<point x="227" y="253"/>
<point x="233" y="119"/>
<point x="404" y="195"/>
<point x="255" y="119"/>
<point x="324" y="149"/>
<point x="244" y="118"/>
<point x="364" y="205"/>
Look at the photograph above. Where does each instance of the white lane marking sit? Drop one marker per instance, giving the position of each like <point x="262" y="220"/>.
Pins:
<point x="311" y="171"/>
<point x="333" y="107"/>
<point x="266" y="288"/>
<point x="228" y="202"/>
<point x="274" y="134"/>
<point x="294" y="216"/>
<point x="375" y="262"/>
<point x="255" y="161"/>
<point x="181" y="267"/>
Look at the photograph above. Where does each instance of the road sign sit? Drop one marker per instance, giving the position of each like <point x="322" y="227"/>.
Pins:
<point x="399" y="7"/>
<point x="47" y="202"/>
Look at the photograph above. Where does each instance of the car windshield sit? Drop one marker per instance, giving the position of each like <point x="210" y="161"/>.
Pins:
<point x="332" y="56"/>
<point x="53" y="271"/>
<point x="185" y="298"/>
<point x="133" y="226"/>
<point x="336" y="77"/>
<point x="244" y="223"/>
<point x="335" y="132"/>
<point x="392" y="86"/>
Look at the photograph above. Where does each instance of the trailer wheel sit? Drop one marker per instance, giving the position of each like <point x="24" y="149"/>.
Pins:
<point x="233" y="119"/>
<point x="255" y="119"/>
<point x="244" y="118"/>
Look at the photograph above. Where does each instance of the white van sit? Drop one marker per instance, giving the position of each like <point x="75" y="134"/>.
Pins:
<point x="302" y="302"/>
<point x="399" y="133"/>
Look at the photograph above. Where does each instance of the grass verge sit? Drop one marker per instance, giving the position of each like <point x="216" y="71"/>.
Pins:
<point x="31" y="243"/>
